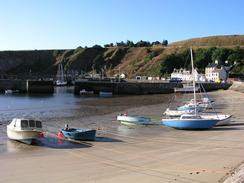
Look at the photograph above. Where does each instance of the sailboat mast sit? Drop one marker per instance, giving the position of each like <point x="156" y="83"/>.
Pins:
<point x="62" y="72"/>
<point x="194" y="82"/>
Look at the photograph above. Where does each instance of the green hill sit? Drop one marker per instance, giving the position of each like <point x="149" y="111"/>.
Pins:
<point x="129" y="60"/>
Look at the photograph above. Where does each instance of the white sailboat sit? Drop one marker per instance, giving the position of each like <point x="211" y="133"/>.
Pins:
<point x="60" y="76"/>
<point x="190" y="121"/>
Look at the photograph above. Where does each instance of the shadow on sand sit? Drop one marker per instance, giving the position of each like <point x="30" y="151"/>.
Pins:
<point x="57" y="143"/>
<point x="107" y="139"/>
<point x="225" y="128"/>
<point x="236" y="124"/>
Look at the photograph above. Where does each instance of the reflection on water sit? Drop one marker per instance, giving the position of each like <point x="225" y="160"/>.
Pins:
<point x="39" y="106"/>
<point x="64" y="107"/>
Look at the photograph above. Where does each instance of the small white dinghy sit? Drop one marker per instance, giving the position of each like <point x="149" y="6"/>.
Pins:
<point x="24" y="130"/>
<point x="133" y="120"/>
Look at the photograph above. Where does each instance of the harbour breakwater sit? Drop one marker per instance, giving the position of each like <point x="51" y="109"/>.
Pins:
<point x="26" y="86"/>
<point x="117" y="88"/>
<point x="137" y="88"/>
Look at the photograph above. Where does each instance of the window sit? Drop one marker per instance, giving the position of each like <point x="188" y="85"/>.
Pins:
<point x="191" y="117"/>
<point x="24" y="124"/>
<point x="38" y="124"/>
<point x="32" y="123"/>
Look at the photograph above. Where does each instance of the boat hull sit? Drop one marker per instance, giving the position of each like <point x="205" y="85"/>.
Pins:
<point x="80" y="134"/>
<point x="189" y="124"/>
<point x="223" y="119"/>
<point x="61" y="83"/>
<point x="134" y="120"/>
<point x="105" y="94"/>
<point x="27" y="136"/>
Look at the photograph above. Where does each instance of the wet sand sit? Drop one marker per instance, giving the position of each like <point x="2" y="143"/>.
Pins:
<point x="132" y="154"/>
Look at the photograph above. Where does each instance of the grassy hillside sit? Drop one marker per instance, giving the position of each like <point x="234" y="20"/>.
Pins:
<point x="211" y="41"/>
<point x="130" y="60"/>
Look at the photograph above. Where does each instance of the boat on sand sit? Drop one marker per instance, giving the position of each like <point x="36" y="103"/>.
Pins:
<point x="78" y="134"/>
<point x="133" y="120"/>
<point x="24" y="130"/>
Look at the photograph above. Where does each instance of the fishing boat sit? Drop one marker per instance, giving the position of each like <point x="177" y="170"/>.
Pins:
<point x="133" y="120"/>
<point x="78" y="134"/>
<point x="60" y="76"/>
<point x="190" y="121"/>
<point x="11" y="91"/>
<point x="85" y="92"/>
<point x="24" y="130"/>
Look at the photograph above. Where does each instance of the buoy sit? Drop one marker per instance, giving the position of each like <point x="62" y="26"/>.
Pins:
<point x="41" y="135"/>
<point x="60" y="134"/>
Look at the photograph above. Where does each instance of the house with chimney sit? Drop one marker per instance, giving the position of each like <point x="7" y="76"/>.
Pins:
<point x="215" y="72"/>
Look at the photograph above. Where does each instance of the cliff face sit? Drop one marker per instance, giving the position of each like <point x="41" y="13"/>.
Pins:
<point x="129" y="60"/>
<point x="25" y="62"/>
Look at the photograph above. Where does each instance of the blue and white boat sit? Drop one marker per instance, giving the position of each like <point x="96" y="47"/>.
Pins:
<point x="133" y="120"/>
<point x="190" y="107"/>
<point x="79" y="134"/>
<point x="190" y="121"/>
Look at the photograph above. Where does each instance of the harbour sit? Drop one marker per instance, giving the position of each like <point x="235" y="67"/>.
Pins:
<point x="121" y="92"/>
<point x="165" y="154"/>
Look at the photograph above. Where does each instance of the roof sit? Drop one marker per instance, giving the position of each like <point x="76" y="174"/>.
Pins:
<point x="212" y="65"/>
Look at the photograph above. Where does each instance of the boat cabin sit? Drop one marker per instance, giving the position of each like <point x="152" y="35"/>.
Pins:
<point x="26" y="124"/>
<point x="188" y="116"/>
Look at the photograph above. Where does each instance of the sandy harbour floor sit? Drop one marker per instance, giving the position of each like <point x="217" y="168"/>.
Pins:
<point x="135" y="154"/>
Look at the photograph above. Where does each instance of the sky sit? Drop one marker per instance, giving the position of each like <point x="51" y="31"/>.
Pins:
<point x="67" y="24"/>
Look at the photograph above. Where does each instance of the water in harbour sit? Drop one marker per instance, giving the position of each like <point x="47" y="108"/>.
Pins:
<point x="64" y="107"/>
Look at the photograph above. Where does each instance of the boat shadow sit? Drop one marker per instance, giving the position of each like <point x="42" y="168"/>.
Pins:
<point x="225" y="128"/>
<point x="235" y="124"/>
<point x="107" y="139"/>
<point x="58" y="143"/>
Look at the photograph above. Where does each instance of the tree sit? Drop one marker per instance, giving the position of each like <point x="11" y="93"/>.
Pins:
<point x="97" y="46"/>
<point x="129" y="43"/>
<point x="170" y="62"/>
<point x="235" y="56"/>
<point x="156" y="43"/>
<point x="106" y="45"/>
<point x="143" y="43"/>
<point x="121" y="43"/>
<point x="165" y="43"/>
<point x="220" y="54"/>
<point x="203" y="57"/>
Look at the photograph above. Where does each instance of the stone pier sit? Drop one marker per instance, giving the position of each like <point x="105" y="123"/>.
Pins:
<point x="137" y="88"/>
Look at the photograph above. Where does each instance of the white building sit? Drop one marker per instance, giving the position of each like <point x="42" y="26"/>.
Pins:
<point x="182" y="74"/>
<point x="185" y="75"/>
<point x="215" y="73"/>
